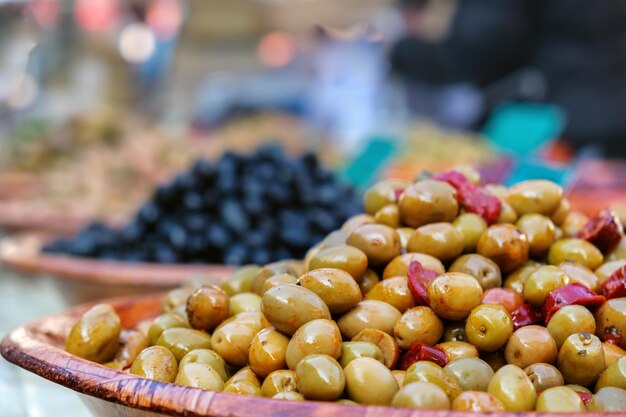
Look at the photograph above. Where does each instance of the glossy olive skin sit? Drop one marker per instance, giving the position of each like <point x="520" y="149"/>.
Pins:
<point x="244" y="374"/>
<point x="471" y="227"/>
<point x="569" y="320"/>
<point x="320" y="377"/>
<point x="389" y="215"/>
<point x="559" y="215"/>
<point x="385" y="342"/>
<point x="530" y="344"/>
<point x="394" y="291"/>
<point x="454" y="331"/>
<point x="418" y="325"/>
<point x="207" y="307"/>
<point x="344" y="257"/>
<point x="269" y="270"/>
<point x="335" y="287"/>
<point x="477" y="402"/>
<point x="352" y="350"/>
<point x="516" y="279"/>
<point x="581" y="359"/>
<point x="132" y="343"/>
<point x="399" y="266"/>
<point x="472" y="374"/>
<point x="380" y="243"/>
<point x="573" y="223"/>
<point x="244" y="302"/>
<point x="315" y="337"/>
<point x="542" y="282"/>
<point x="199" y="375"/>
<point x="208" y="357"/>
<point x="426" y="371"/>
<point x="428" y="201"/>
<point x="488" y="327"/>
<point x="233" y="338"/>
<point x="421" y="396"/>
<point x="576" y="250"/>
<point x="288" y="396"/>
<point x="96" y="335"/>
<point x="560" y="400"/>
<point x="162" y="323"/>
<point x="510" y="299"/>
<point x="504" y="244"/>
<point x="507" y="214"/>
<point x="268" y="351"/>
<point x="176" y="297"/>
<point x="405" y="234"/>
<point x="483" y="269"/>
<point x="614" y="375"/>
<point x="288" y="307"/>
<point x="243" y="388"/>
<point x="458" y="350"/>
<point x="441" y="240"/>
<point x="155" y="362"/>
<point x="241" y="280"/>
<point x="513" y="388"/>
<point x="580" y="274"/>
<point x="535" y="196"/>
<point x="279" y="381"/>
<point x="606" y="269"/>
<point x="370" y="279"/>
<point x="611" y="316"/>
<point x="359" y="376"/>
<point x="539" y="230"/>
<point x="612" y="353"/>
<point x="608" y="399"/>
<point x="544" y="376"/>
<point x="181" y="341"/>
<point x="356" y="221"/>
<point x="382" y="194"/>
<point x="278" y="279"/>
<point x="453" y="295"/>
<point x="369" y="314"/>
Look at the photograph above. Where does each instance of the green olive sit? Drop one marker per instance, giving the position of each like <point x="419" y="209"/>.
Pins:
<point x="542" y="282"/>
<point x="471" y="227"/>
<point x="504" y="244"/>
<point x="604" y="271"/>
<point x="244" y="374"/>
<point x="569" y="320"/>
<point x="530" y="344"/>
<point x="399" y="266"/>
<point x="352" y="350"/>
<point x="418" y="325"/>
<point x="614" y="375"/>
<point x="608" y="399"/>
<point x="155" y="362"/>
<point x="269" y="270"/>
<point x="581" y="359"/>
<point x="458" y="350"/>
<point x="513" y="388"/>
<point x="573" y="223"/>
<point x="453" y="295"/>
<point x="164" y="322"/>
<point x="488" y="327"/>
<point x="370" y="279"/>
<point x="315" y="337"/>
<point x="288" y="307"/>
<point x="181" y="341"/>
<point x="426" y="371"/>
<point x="394" y="291"/>
<point x="208" y="357"/>
<point x="388" y="215"/>
<point x="544" y="376"/>
<point x="441" y="240"/>
<point x="516" y="279"/>
<point x="576" y="250"/>
<point x="240" y="280"/>
<point x="199" y="375"/>
<point x="344" y="257"/>
<point x="369" y="314"/>
<point x="380" y="243"/>
<point x="383" y="193"/>
<point x="232" y="339"/>
<point x="278" y="279"/>
<point x="268" y="350"/>
<point x="359" y="376"/>
<point x="611" y="318"/>
<point x="539" y="230"/>
<point x="176" y="297"/>
<point x="279" y="381"/>
<point x="421" y="395"/>
<point x="580" y="274"/>
<point x="478" y="402"/>
<point x="472" y="374"/>
<point x="560" y="400"/>
<point x="385" y="342"/>
<point x="243" y="388"/>
<point x="244" y="302"/>
<point x="207" y="307"/>
<point x="320" y="378"/>
<point x="428" y="201"/>
<point x="132" y="342"/>
<point x="96" y="335"/>
<point x="483" y="269"/>
<point x="535" y="196"/>
<point x="335" y="287"/>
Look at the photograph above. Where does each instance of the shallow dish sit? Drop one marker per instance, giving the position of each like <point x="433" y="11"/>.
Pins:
<point x="81" y="280"/>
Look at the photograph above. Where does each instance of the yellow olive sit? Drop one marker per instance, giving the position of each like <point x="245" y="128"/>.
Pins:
<point x="199" y="375"/>
<point x="483" y="269"/>
<point x="425" y="371"/>
<point x="380" y="243"/>
<point x="612" y="353"/>
<point x="207" y="307"/>
<point x="619" y="252"/>
<point x="507" y="214"/>
<point x="288" y="307"/>
<point x="458" y="350"/>
<point x="518" y="277"/>
<point x="576" y="250"/>
<point x="513" y="388"/>
<point x="488" y="327"/>
<point x="335" y="287"/>
<point x="208" y="357"/>
<point x="405" y="234"/>
<point x="472" y="374"/>
<point x="421" y="395"/>
<point x="344" y="257"/>
<point x="359" y="375"/>
<point x="243" y="388"/>
<point x="477" y="402"/>
<point x="369" y="314"/>
<point x="352" y="350"/>
<point x="544" y="376"/>
<point x="581" y="359"/>
<point x="176" y="297"/>
<point x="504" y="244"/>
<point x="232" y="339"/>
<point x="162" y="323"/>
<point x="320" y="378"/>
<point x="611" y="319"/>
<point x="471" y="227"/>
<point x="181" y="341"/>
<point x="535" y="196"/>
<point x="604" y="271"/>
<point x="96" y="335"/>
<point x="268" y="351"/>
<point x="370" y="279"/>
<point x="573" y="223"/>
<point x="453" y="295"/>
<point x="278" y="279"/>
<point x="240" y="280"/>
<point x="356" y="221"/>
<point x="569" y="320"/>
<point x="418" y="325"/>
<point x="385" y="342"/>
<point x="428" y="201"/>
<point x="279" y="381"/>
<point x="580" y="274"/>
<point x="315" y="337"/>
<point x="539" y="230"/>
<point x="288" y="396"/>
<point x="560" y="400"/>
<point x="530" y="344"/>
<point x="542" y="282"/>
<point x="399" y="266"/>
<point x="441" y="240"/>
<point x="383" y="193"/>
<point x="132" y="342"/>
<point x="559" y="215"/>
<point x="394" y="291"/>
<point x="613" y="376"/>
<point x="244" y="374"/>
<point x="608" y="399"/>
<point x="269" y="270"/>
<point x="399" y="376"/>
<point x="244" y="302"/>
<point x="155" y="362"/>
<point x="389" y="215"/>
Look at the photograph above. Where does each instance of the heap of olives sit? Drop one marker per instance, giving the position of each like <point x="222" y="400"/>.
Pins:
<point x="514" y="311"/>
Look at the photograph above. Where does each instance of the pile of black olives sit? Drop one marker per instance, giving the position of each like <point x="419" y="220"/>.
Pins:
<point x="256" y="208"/>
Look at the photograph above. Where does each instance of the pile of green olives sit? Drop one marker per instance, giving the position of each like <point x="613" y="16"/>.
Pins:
<point x="337" y="325"/>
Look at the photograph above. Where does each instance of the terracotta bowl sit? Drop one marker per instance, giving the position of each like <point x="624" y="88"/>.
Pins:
<point x="81" y="280"/>
<point x="38" y="348"/>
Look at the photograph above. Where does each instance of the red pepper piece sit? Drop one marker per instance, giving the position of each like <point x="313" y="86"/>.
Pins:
<point x="615" y="284"/>
<point x="398" y="193"/>
<point x="422" y="352"/>
<point x="568" y="295"/>
<point x="419" y="278"/>
<point x="612" y="335"/>
<point x="472" y="197"/>
<point x="524" y="316"/>
<point x="585" y="396"/>
<point x="604" y="231"/>
<point x="509" y="299"/>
